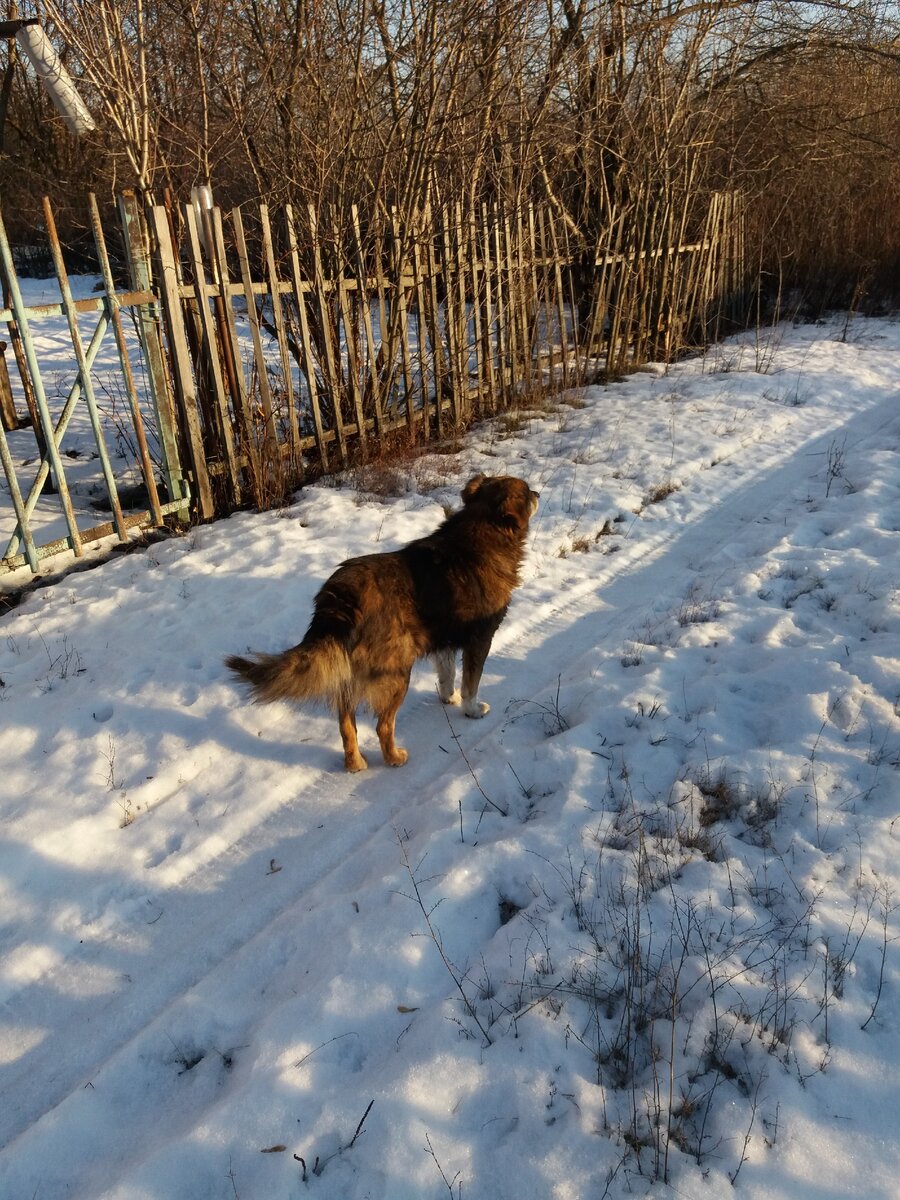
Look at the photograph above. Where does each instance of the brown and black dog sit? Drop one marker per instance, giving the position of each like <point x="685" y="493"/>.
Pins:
<point x="377" y="614"/>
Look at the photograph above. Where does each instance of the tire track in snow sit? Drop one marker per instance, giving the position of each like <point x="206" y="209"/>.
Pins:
<point x="633" y="582"/>
<point x="195" y="937"/>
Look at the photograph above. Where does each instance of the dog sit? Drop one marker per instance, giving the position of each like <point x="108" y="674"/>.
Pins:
<point x="378" y="614"/>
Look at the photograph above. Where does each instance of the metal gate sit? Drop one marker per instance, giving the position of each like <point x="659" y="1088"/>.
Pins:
<point x="57" y="424"/>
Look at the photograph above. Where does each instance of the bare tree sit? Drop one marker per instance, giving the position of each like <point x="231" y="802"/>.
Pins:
<point x="598" y="107"/>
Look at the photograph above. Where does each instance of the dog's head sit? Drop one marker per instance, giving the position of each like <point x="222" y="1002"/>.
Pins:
<point x="503" y="498"/>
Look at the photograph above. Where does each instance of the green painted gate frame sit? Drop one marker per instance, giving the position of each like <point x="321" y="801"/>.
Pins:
<point x="148" y="324"/>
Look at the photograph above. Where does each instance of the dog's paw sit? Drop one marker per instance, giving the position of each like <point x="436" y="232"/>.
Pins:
<point x="476" y="708"/>
<point x="398" y="758"/>
<point x="355" y="763"/>
<point x="453" y="698"/>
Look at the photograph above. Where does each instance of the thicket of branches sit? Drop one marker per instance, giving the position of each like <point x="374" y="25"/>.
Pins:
<point x="584" y="104"/>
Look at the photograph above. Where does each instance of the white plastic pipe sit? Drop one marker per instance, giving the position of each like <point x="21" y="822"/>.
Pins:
<point x="38" y="49"/>
<point x="202" y="202"/>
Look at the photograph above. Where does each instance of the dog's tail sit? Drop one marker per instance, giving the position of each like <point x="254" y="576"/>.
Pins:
<point x="314" y="670"/>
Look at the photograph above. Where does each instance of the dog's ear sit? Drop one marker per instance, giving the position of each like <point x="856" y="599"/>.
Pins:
<point x="472" y="488"/>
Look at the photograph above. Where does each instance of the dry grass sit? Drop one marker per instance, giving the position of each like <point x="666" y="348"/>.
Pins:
<point x="660" y="492"/>
<point x="721" y="799"/>
<point x="398" y="465"/>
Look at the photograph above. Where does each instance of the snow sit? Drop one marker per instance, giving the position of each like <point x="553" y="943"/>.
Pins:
<point x="637" y="925"/>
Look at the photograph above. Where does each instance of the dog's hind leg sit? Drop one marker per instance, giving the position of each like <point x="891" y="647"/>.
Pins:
<point x="386" y="704"/>
<point x="445" y="665"/>
<point x="472" y="665"/>
<point x="353" y="760"/>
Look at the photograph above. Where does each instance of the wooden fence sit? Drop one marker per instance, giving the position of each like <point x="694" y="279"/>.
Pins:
<point x="262" y="349"/>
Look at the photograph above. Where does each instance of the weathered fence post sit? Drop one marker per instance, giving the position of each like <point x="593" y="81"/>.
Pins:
<point x="138" y="254"/>
<point x="8" y="414"/>
<point x="137" y="420"/>
<point x="218" y="420"/>
<point x="309" y="363"/>
<point x="181" y="360"/>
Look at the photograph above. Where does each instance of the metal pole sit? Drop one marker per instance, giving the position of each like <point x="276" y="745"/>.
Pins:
<point x="84" y="371"/>
<point x="9" y="468"/>
<point x="18" y="308"/>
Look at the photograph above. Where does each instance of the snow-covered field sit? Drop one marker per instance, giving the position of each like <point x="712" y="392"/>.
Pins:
<point x="638" y="924"/>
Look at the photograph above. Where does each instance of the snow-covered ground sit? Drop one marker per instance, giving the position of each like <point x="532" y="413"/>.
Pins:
<point x="638" y="924"/>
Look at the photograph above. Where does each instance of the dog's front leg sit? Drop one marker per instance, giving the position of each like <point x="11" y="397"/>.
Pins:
<point x="445" y="665"/>
<point x="472" y="666"/>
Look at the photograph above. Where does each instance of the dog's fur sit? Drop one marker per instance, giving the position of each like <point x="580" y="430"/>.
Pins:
<point x="377" y="614"/>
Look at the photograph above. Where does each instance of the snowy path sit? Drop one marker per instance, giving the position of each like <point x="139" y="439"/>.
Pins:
<point x="742" y="507"/>
<point x="155" y="997"/>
